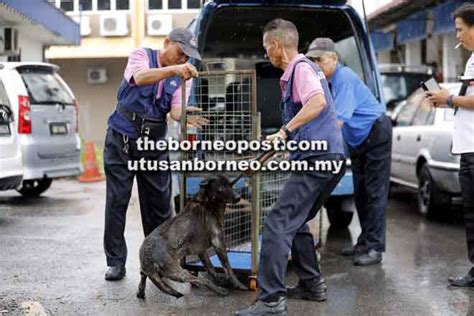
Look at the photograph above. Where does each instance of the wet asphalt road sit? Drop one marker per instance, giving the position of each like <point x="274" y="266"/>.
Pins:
<point x="51" y="261"/>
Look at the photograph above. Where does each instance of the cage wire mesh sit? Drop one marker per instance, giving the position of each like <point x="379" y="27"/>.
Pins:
<point x="228" y="100"/>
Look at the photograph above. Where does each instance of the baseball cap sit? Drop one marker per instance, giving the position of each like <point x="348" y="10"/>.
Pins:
<point x="186" y="40"/>
<point x="320" y="46"/>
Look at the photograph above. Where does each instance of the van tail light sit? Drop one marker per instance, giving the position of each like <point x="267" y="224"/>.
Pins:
<point x="76" y="105"/>
<point x="24" y="119"/>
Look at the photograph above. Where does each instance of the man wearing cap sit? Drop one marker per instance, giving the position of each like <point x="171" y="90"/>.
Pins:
<point x="150" y="90"/>
<point x="368" y="134"/>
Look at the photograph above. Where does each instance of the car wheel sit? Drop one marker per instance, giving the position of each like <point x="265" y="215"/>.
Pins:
<point x="430" y="199"/>
<point x="338" y="214"/>
<point x="34" y="188"/>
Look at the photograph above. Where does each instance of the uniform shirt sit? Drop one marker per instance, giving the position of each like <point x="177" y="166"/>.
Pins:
<point x="308" y="84"/>
<point x="137" y="61"/>
<point x="463" y="134"/>
<point x="355" y="104"/>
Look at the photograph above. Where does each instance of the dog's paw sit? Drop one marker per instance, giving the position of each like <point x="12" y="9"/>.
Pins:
<point x="238" y="285"/>
<point x="221" y="291"/>
<point x="141" y="295"/>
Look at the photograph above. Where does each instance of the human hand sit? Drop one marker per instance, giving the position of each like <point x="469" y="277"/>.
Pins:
<point x="186" y="71"/>
<point x="278" y="135"/>
<point x="439" y="98"/>
<point x="197" y="121"/>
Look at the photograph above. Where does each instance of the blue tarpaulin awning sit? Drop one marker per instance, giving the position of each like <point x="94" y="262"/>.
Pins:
<point x="413" y="28"/>
<point x="48" y="16"/>
<point x="443" y="16"/>
<point x="382" y="41"/>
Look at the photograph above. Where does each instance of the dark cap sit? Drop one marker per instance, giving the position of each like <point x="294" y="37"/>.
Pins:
<point x="320" y="46"/>
<point x="186" y="40"/>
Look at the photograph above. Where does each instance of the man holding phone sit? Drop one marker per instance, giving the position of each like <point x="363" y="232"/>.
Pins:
<point x="463" y="135"/>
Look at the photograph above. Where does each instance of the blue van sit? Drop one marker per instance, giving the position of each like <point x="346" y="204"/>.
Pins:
<point x="230" y="32"/>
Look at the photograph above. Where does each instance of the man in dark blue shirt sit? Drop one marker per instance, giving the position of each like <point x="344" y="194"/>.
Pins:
<point x="368" y="134"/>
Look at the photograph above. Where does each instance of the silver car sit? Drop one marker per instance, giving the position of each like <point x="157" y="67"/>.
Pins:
<point x="11" y="168"/>
<point x="400" y="81"/>
<point x="421" y="152"/>
<point x="46" y="116"/>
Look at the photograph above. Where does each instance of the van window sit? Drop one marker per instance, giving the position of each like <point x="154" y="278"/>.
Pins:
<point x="345" y="49"/>
<point x="44" y="87"/>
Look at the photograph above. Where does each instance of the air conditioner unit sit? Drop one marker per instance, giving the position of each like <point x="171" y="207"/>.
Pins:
<point x="97" y="75"/>
<point x="113" y="24"/>
<point x="84" y="22"/>
<point x="159" y="24"/>
<point x="10" y="41"/>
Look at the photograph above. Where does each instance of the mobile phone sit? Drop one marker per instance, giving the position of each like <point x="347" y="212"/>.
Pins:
<point x="430" y="85"/>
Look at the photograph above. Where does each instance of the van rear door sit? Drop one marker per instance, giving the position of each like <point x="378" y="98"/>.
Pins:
<point x="52" y="112"/>
<point x="231" y="32"/>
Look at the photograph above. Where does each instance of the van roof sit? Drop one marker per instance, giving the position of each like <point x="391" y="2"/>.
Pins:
<point x="284" y="2"/>
<point x="13" y="65"/>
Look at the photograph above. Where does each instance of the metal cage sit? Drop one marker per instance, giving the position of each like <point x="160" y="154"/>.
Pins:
<point x="228" y="100"/>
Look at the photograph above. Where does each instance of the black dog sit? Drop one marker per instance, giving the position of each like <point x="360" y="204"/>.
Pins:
<point x="192" y="232"/>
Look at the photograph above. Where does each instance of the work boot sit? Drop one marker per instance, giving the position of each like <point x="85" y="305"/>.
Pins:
<point x="462" y="281"/>
<point x="115" y="273"/>
<point x="352" y="251"/>
<point x="260" y="308"/>
<point x="369" y="258"/>
<point x="317" y="292"/>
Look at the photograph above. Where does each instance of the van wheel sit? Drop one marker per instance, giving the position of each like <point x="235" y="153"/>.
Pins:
<point x="430" y="199"/>
<point x="34" y="188"/>
<point x="338" y="215"/>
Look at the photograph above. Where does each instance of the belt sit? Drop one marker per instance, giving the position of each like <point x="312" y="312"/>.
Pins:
<point x="139" y="117"/>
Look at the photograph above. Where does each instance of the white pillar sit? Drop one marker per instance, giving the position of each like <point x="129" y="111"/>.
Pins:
<point x="413" y="53"/>
<point x="433" y="49"/>
<point x="452" y="58"/>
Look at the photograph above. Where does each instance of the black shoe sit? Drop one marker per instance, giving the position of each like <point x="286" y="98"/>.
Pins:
<point x="115" y="273"/>
<point x="369" y="258"/>
<point x="355" y="250"/>
<point x="261" y="308"/>
<point x="463" y="281"/>
<point x="318" y="292"/>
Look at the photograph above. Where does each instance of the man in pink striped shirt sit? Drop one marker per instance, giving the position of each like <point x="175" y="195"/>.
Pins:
<point x="150" y="90"/>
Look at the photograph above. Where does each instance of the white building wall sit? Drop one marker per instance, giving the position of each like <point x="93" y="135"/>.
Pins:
<point x="452" y="58"/>
<point x="31" y="49"/>
<point x="383" y="57"/>
<point x="413" y="53"/>
<point x="433" y="45"/>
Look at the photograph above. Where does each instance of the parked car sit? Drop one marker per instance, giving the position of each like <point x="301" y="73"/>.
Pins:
<point x="47" y="123"/>
<point x="231" y="32"/>
<point x="11" y="169"/>
<point x="400" y="81"/>
<point x="421" y="153"/>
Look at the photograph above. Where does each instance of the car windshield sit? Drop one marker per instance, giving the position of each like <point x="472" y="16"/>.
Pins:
<point x="44" y="87"/>
<point x="398" y="86"/>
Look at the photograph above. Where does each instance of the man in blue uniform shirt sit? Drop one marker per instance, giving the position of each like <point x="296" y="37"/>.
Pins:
<point x="368" y="134"/>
